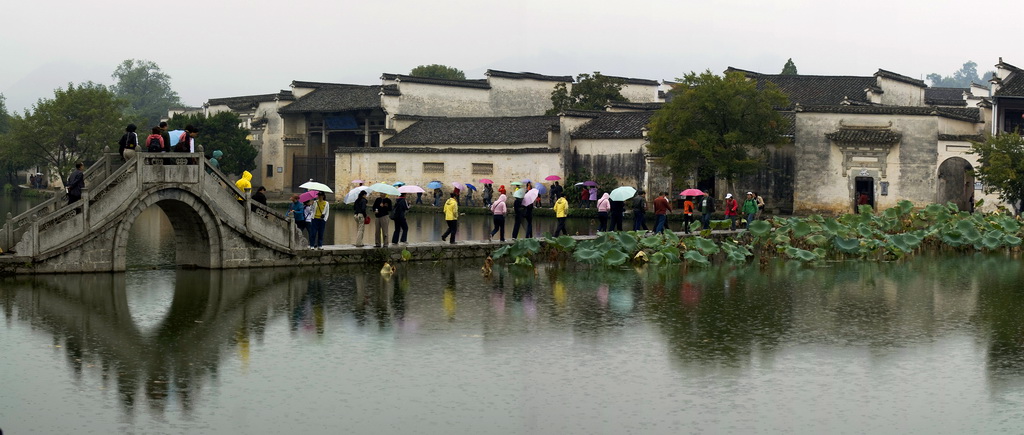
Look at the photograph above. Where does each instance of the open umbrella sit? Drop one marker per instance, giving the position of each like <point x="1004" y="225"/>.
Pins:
<point x="308" y="195"/>
<point x="434" y="185"/>
<point x="410" y="189"/>
<point x="527" y="181"/>
<point x="515" y="183"/>
<point x="622" y="193"/>
<point x="385" y="189"/>
<point x="578" y="184"/>
<point x="470" y="186"/>
<point x="486" y="181"/>
<point x="313" y="185"/>
<point x="519" y="193"/>
<point x="530" y="197"/>
<point x="358" y="181"/>
<point x="590" y="183"/>
<point x="353" y="194"/>
<point x="552" y="178"/>
<point x="541" y="188"/>
<point x="398" y="184"/>
<point x="691" y="192"/>
<point x="456" y="184"/>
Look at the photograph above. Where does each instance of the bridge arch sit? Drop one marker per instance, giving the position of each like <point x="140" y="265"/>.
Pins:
<point x="197" y="234"/>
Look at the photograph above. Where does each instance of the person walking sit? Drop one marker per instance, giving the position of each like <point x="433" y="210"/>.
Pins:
<point x="419" y="197"/>
<point x="488" y="194"/>
<point x="731" y="211"/>
<point x="437" y="196"/>
<point x="469" y="198"/>
<point x="458" y="194"/>
<point x="382" y="211"/>
<point x="760" y="206"/>
<point x="556" y="192"/>
<point x="517" y="208"/>
<point x="561" y="214"/>
<point x="592" y="197"/>
<point x="215" y="160"/>
<point x="687" y="214"/>
<point x="76" y="182"/>
<point x="617" y="210"/>
<point x="749" y="208"/>
<point x="359" y="208"/>
<point x="661" y="210"/>
<point x="401" y="225"/>
<point x="259" y="197"/>
<point x="707" y="206"/>
<point x="451" y="217"/>
<point x="298" y="213"/>
<point x="640" y="211"/>
<point x="499" y="209"/>
<point x="603" y="205"/>
<point x="321" y="210"/>
<point x="584" y="197"/>
<point x="128" y="143"/>
<point x="528" y="215"/>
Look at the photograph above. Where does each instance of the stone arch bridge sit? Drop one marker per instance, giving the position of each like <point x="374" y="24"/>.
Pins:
<point x="213" y="228"/>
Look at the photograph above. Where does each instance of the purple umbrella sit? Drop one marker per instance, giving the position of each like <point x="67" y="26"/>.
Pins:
<point x="590" y="183"/>
<point x="541" y="188"/>
<point x="530" y="197"/>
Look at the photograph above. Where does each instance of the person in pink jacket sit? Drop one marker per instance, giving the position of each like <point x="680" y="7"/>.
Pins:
<point x="498" y="209"/>
<point x="603" y="205"/>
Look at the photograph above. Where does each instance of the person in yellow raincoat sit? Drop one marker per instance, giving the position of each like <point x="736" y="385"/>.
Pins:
<point x="244" y="184"/>
<point x="561" y="213"/>
<point x="451" y="217"/>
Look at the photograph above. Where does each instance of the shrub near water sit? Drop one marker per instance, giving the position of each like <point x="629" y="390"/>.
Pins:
<point x="890" y="235"/>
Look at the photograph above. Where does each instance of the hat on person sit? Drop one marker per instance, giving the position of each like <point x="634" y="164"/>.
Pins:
<point x="750" y="193"/>
<point x="728" y="195"/>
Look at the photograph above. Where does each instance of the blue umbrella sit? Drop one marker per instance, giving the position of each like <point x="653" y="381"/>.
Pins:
<point x="526" y="181"/>
<point x="541" y="188"/>
<point x="434" y="185"/>
<point x="398" y="184"/>
<point x="470" y="186"/>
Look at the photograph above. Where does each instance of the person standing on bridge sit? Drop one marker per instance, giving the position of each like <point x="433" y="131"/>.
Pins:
<point x="359" y="208"/>
<point x="561" y="214"/>
<point x="451" y="217"/>
<point x="129" y="142"/>
<point x="382" y="211"/>
<point x="76" y="182"/>
<point x="401" y="225"/>
<point x="499" y="209"/>
<point x="321" y="210"/>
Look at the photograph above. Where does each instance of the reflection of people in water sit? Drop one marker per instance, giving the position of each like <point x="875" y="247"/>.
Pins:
<point x="449" y="295"/>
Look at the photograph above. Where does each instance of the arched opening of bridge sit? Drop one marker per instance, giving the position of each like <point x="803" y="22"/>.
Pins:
<point x="168" y="228"/>
<point x="955" y="183"/>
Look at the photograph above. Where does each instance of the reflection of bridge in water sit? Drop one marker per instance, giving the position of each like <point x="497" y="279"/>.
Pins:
<point x="210" y="314"/>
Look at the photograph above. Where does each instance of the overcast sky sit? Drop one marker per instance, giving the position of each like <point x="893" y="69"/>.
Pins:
<point x="223" y="48"/>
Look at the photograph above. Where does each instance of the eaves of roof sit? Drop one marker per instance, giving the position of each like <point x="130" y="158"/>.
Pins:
<point x="478" y="84"/>
<point x="900" y="78"/>
<point x="968" y="114"/>
<point x="527" y="75"/>
<point x="446" y="150"/>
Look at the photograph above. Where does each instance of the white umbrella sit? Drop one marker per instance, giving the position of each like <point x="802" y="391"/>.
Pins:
<point x="313" y="185"/>
<point x="410" y="189"/>
<point x="353" y="194"/>
<point x="385" y="189"/>
<point x="530" y="197"/>
<point x="622" y="193"/>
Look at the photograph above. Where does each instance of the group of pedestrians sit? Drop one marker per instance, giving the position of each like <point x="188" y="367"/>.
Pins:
<point x="159" y="140"/>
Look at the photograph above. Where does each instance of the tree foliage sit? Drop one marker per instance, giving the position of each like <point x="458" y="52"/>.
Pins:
<point x="13" y="158"/>
<point x="712" y="123"/>
<point x="147" y="90"/>
<point x="73" y="126"/>
<point x="437" y="71"/>
<point x="590" y="92"/>
<point x="962" y="78"/>
<point x="221" y="132"/>
<point x="789" y="69"/>
<point x="1001" y="167"/>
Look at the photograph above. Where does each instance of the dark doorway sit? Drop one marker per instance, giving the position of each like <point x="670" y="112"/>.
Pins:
<point x="863" y="192"/>
<point x="956" y="183"/>
<point x="305" y="168"/>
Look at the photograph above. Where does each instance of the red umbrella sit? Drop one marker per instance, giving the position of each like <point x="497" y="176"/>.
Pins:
<point x="552" y="178"/>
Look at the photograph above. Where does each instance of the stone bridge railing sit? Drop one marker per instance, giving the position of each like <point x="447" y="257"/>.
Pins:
<point x="113" y="187"/>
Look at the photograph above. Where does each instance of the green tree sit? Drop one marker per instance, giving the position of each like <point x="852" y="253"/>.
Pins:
<point x="590" y="92"/>
<point x="789" y="69"/>
<point x="712" y="124"/>
<point x="13" y="158"/>
<point x="222" y="132"/>
<point x="1001" y="166"/>
<point x="73" y="126"/>
<point x="962" y="78"/>
<point x="5" y="117"/>
<point x="147" y="90"/>
<point x="438" y="72"/>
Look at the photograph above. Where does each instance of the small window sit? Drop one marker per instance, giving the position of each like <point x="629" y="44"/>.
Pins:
<point x="483" y="169"/>
<point x="433" y="167"/>
<point x="270" y="171"/>
<point x="387" y="167"/>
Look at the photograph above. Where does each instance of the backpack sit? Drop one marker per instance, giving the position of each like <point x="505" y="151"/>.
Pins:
<point x="183" y="143"/>
<point x="154" y="144"/>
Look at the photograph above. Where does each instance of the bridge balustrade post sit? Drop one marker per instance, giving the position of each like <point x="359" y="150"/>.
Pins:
<point x="85" y="210"/>
<point x="248" y="208"/>
<point x="9" y="229"/>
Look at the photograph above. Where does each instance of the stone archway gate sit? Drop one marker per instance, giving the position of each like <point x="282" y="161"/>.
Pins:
<point x="213" y="228"/>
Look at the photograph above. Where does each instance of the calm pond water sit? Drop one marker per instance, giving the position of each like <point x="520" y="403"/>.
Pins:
<point x="932" y="345"/>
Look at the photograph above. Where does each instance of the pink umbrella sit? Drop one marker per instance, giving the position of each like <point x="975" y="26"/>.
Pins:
<point x="457" y="184"/>
<point x="691" y="192"/>
<point x="530" y="197"/>
<point x="552" y="178"/>
<point x="357" y="181"/>
<point x="486" y="181"/>
<point x="306" y="196"/>
<point x="410" y="189"/>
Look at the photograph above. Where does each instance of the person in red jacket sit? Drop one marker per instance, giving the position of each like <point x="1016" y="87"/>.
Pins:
<point x="732" y="210"/>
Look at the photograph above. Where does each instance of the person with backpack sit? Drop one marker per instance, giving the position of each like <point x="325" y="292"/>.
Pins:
<point x="155" y="142"/>
<point x="128" y="143"/>
<point x="750" y="208"/>
<point x="732" y="210"/>
<point x="187" y="141"/>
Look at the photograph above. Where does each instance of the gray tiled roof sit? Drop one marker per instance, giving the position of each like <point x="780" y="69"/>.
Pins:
<point x="1013" y="85"/>
<point x="864" y="136"/>
<point x="491" y="130"/>
<point x="810" y="90"/>
<point x="249" y="101"/>
<point x="474" y="83"/>
<point x="615" y="125"/>
<point x="962" y="137"/>
<point x="435" y="150"/>
<point x="969" y="114"/>
<point x="527" y="75"/>
<point x="945" y="96"/>
<point x="337" y="98"/>
<point x="900" y="78"/>
<point x="635" y="81"/>
<point x="634" y="106"/>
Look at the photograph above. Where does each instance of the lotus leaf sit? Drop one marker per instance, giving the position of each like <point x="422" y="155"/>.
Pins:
<point x="500" y="252"/>
<point x="800" y="254"/>
<point x="671" y="254"/>
<point x="801" y="229"/>
<point x="1011" y="240"/>
<point x="587" y="255"/>
<point x="565" y="243"/>
<point x="817" y="239"/>
<point x="696" y="258"/>
<point x="969" y="231"/>
<point x="614" y="258"/>
<point x="848" y="246"/>
<point x="760" y="228"/>
<point x="705" y="246"/>
<point x="523" y="261"/>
